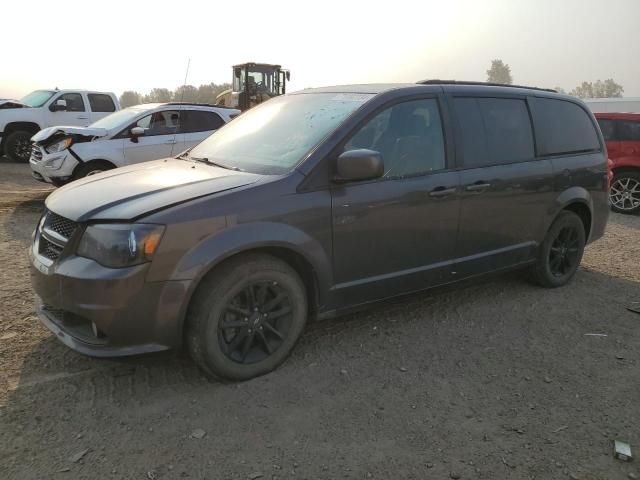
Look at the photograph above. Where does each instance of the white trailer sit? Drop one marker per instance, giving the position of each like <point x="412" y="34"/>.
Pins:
<point x="622" y="104"/>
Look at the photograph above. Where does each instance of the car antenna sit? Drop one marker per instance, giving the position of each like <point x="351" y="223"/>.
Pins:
<point x="185" y="79"/>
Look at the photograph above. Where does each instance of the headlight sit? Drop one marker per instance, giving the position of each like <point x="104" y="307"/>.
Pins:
<point x="59" y="146"/>
<point x="120" y="245"/>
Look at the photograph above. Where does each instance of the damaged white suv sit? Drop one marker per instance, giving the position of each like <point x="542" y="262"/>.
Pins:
<point x="135" y="134"/>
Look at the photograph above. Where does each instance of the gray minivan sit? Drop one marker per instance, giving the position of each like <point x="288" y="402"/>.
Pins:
<point x="314" y="203"/>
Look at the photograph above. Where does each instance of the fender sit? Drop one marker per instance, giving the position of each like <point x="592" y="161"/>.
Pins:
<point x="250" y="236"/>
<point x="571" y="195"/>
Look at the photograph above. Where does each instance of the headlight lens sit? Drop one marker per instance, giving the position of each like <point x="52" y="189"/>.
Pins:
<point x="120" y="245"/>
<point x="59" y="146"/>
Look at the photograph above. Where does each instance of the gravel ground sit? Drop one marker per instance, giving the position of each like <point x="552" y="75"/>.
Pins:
<point x="493" y="379"/>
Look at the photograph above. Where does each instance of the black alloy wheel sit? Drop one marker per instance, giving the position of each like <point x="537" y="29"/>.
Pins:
<point x="255" y="322"/>
<point x="564" y="252"/>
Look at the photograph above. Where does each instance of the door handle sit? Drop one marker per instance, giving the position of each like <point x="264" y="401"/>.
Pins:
<point x="83" y="118"/>
<point x="477" y="187"/>
<point x="440" y="192"/>
<point x="170" y="142"/>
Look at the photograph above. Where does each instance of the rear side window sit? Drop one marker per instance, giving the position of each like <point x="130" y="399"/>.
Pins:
<point x="607" y="127"/>
<point x="101" y="103"/>
<point x="563" y="127"/>
<point x="200" y="121"/>
<point x="628" y="130"/>
<point x="494" y="131"/>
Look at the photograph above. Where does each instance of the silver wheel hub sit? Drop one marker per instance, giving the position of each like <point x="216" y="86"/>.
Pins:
<point x="625" y="193"/>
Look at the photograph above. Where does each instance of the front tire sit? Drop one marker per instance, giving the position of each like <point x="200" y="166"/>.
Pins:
<point x="560" y="253"/>
<point x="92" y="168"/>
<point x="18" y="146"/>
<point x="624" y="195"/>
<point x="246" y="317"/>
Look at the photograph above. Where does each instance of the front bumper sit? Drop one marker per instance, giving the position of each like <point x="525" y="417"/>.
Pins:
<point x="55" y="168"/>
<point x="106" y="312"/>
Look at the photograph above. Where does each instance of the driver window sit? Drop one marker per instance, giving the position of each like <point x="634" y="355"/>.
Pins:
<point x="409" y="137"/>
<point x="75" y="103"/>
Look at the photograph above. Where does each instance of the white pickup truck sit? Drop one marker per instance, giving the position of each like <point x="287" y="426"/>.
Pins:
<point x="21" y="119"/>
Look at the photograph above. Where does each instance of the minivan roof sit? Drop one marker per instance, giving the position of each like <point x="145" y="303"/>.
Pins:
<point x="439" y="85"/>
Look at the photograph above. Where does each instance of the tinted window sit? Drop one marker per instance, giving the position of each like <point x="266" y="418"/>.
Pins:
<point x="494" y="131"/>
<point x="409" y="137"/>
<point x="562" y="127"/>
<point x="607" y="128"/>
<point x="200" y="121"/>
<point x="628" y="130"/>
<point x="74" y="102"/>
<point x="101" y="103"/>
<point x="159" y="123"/>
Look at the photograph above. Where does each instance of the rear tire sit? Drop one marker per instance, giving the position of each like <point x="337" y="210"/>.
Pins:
<point x="624" y="195"/>
<point x="246" y="317"/>
<point x="17" y="146"/>
<point x="560" y="254"/>
<point x="92" y="168"/>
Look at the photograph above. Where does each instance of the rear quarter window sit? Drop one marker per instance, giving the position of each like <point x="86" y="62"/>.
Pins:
<point x="101" y="103"/>
<point x="628" y="130"/>
<point x="562" y="127"/>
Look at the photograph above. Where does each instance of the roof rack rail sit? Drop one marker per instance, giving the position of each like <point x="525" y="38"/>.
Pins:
<point x="200" y="104"/>
<point x="488" y="84"/>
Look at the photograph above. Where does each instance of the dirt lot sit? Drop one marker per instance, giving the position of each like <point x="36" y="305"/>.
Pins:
<point x="495" y="379"/>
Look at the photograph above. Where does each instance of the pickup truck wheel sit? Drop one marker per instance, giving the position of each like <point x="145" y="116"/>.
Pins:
<point x="624" y="195"/>
<point x="92" y="168"/>
<point x="246" y="317"/>
<point x="560" y="253"/>
<point x="18" y="146"/>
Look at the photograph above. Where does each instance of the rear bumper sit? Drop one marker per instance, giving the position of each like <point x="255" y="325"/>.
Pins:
<point x="106" y="312"/>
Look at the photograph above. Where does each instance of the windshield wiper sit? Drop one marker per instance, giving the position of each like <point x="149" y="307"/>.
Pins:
<point x="211" y="162"/>
<point x="185" y="153"/>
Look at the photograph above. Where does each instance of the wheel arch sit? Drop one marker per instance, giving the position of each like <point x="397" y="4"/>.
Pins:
<point x="288" y="244"/>
<point x="576" y="200"/>
<point x="31" y="127"/>
<point x="26" y="126"/>
<point x="83" y="163"/>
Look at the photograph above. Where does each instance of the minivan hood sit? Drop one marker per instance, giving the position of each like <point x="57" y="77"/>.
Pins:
<point x="46" y="133"/>
<point x="129" y="192"/>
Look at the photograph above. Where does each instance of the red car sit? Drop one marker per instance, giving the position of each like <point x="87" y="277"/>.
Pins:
<point x="622" y="134"/>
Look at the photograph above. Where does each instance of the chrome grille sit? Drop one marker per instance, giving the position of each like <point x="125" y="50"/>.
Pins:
<point x="53" y="235"/>
<point x="60" y="225"/>
<point x="36" y="153"/>
<point x="49" y="249"/>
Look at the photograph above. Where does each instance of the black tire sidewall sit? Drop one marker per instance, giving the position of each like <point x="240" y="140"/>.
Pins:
<point x="10" y="142"/>
<point x="625" y="174"/>
<point x="95" y="165"/>
<point x="224" y="291"/>
<point x="566" y="219"/>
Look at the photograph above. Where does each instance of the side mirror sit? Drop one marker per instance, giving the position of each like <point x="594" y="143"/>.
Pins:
<point x="288" y="75"/>
<point x="136" y="132"/>
<point x="60" y="106"/>
<point x="359" y="165"/>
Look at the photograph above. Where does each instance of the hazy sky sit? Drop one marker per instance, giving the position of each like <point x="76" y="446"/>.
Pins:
<point x="138" y="45"/>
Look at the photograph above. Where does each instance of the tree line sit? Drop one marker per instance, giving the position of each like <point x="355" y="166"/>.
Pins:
<point x="500" y="72"/>
<point x="206" y="93"/>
